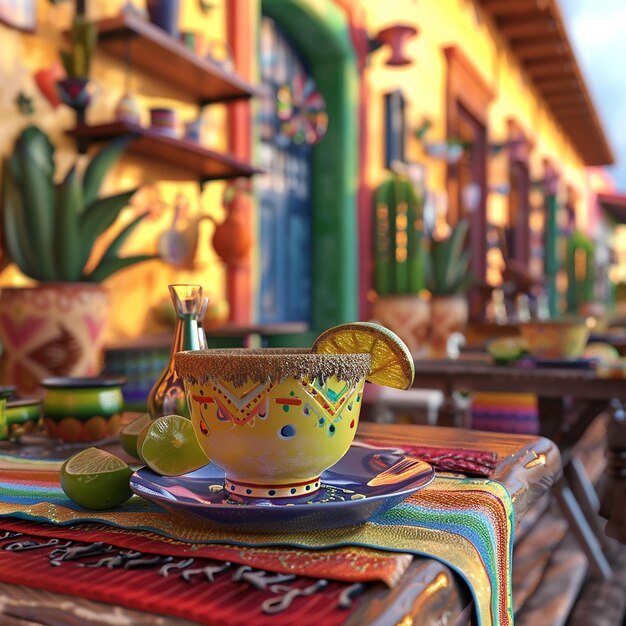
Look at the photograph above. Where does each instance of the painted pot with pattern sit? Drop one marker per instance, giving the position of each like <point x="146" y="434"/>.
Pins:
<point x="52" y="329"/>
<point x="273" y="419"/>
<point x="82" y="409"/>
<point x="407" y="315"/>
<point x="448" y="315"/>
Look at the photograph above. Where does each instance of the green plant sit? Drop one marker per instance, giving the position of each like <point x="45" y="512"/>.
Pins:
<point x="448" y="263"/>
<point x="399" y="243"/>
<point x="49" y="230"/>
<point x="83" y="38"/>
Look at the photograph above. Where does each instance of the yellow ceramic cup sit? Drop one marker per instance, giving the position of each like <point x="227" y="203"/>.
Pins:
<point x="273" y="419"/>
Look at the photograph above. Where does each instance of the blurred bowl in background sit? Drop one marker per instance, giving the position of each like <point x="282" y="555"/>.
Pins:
<point x="561" y="338"/>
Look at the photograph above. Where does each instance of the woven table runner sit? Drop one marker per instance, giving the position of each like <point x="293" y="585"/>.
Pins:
<point x="466" y="523"/>
<point x="209" y="591"/>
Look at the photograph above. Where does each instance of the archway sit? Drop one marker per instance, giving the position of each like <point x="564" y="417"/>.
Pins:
<point x="319" y="31"/>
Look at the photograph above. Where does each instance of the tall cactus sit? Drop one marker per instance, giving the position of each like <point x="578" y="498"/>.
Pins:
<point x="399" y="242"/>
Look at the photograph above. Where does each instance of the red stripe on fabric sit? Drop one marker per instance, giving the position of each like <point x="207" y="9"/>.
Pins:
<point x="218" y="603"/>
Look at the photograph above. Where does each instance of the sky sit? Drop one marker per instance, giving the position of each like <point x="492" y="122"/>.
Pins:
<point x="597" y="30"/>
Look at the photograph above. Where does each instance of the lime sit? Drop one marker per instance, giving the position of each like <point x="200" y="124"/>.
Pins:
<point x="169" y="446"/>
<point x="504" y="350"/>
<point x="130" y="433"/>
<point x="602" y="351"/>
<point x="392" y="363"/>
<point x="96" y="479"/>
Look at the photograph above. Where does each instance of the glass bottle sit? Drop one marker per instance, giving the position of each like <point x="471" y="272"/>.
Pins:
<point x="202" y="341"/>
<point x="167" y="396"/>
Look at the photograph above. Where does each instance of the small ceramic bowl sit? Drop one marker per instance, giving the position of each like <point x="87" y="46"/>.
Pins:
<point x="273" y="419"/>
<point x="5" y="393"/>
<point x="164" y="121"/>
<point x="82" y="409"/>
<point x="555" y="339"/>
<point x="23" y="416"/>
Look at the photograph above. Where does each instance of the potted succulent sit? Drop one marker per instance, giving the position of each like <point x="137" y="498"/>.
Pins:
<point x="76" y="89"/>
<point x="449" y="280"/>
<point x="55" y="328"/>
<point x="400" y="261"/>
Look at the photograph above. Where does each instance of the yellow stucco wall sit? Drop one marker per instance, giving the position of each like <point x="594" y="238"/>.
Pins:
<point x="135" y="290"/>
<point x="443" y="23"/>
<point x="440" y="23"/>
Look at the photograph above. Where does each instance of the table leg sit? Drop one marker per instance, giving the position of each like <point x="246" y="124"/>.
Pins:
<point x="587" y="498"/>
<point x="551" y="417"/>
<point x="454" y="411"/>
<point x="581" y="529"/>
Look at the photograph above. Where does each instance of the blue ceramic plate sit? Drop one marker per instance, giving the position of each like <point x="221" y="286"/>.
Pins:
<point x="347" y="495"/>
<point x="579" y="363"/>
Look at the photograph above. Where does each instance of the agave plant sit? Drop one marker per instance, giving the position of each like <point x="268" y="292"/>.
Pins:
<point x="448" y="263"/>
<point x="49" y="230"/>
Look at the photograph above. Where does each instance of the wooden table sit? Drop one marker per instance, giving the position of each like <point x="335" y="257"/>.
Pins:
<point x="428" y="592"/>
<point x="569" y="399"/>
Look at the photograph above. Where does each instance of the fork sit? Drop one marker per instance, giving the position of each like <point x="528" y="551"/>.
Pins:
<point x="403" y="469"/>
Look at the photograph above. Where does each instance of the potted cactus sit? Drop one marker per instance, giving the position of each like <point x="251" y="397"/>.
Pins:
<point x="448" y="279"/>
<point x="49" y="230"/>
<point x="400" y="261"/>
<point x="75" y="90"/>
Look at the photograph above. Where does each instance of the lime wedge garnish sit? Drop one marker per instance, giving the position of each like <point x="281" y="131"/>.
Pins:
<point x="96" y="479"/>
<point x="169" y="446"/>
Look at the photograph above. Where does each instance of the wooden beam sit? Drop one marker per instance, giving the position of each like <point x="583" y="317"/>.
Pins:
<point x="550" y="79"/>
<point x="568" y="111"/>
<point x="558" y="85"/>
<point x="543" y="68"/>
<point x="538" y="50"/>
<point x="566" y="99"/>
<point x="568" y="114"/>
<point x="578" y="123"/>
<point x="568" y="103"/>
<point x="509" y="7"/>
<point x="572" y="117"/>
<point x="518" y="28"/>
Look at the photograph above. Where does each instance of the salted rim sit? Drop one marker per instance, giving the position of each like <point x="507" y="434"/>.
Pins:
<point x="268" y="364"/>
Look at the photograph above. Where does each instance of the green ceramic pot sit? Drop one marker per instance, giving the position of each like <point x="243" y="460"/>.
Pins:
<point x="23" y="416"/>
<point x="5" y="392"/>
<point x="82" y="409"/>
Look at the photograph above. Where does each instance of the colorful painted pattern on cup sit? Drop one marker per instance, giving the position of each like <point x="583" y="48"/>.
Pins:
<point x="274" y="439"/>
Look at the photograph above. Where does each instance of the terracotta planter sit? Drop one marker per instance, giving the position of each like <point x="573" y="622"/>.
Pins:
<point x="448" y="314"/>
<point x="406" y="315"/>
<point x="54" y="329"/>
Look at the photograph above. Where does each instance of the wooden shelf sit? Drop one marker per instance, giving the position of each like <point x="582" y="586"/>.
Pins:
<point x="188" y="157"/>
<point x="160" y="55"/>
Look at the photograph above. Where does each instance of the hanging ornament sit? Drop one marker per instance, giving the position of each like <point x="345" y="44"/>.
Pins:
<point x="46" y="79"/>
<point x="301" y="111"/>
